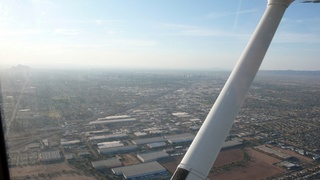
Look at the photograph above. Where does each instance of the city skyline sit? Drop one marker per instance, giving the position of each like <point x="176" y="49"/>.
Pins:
<point x="152" y="34"/>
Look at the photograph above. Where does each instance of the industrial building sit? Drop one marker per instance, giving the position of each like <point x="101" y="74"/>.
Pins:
<point x="288" y="165"/>
<point x="64" y="142"/>
<point x="113" y="121"/>
<point x="106" y="137"/>
<point x="34" y="146"/>
<point x="114" y="117"/>
<point x="105" y="145"/>
<point x="140" y="134"/>
<point x="148" y="140"/>
<point x="108" y="163"/>
<point x="50" y="156"/>
<point x="152" y="156"/>
<point x="231" y="144"/>
<point x="156" y="144"/>
<point x="117" y="150"/>
<point x="181" y="114"/>
<point x="180" y="138"/>
<point x="69" y="156"/>
<point x="144" y="170"/>
<point x="273" y="152"/>
<point x="91" y="133"/>
<point x="84" y="154"/>
<point x="155" y="132"/>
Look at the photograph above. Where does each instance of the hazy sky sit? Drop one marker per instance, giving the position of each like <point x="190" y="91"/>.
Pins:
<point x="152" y="33"/>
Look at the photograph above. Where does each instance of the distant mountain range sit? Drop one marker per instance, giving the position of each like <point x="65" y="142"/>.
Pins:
<point x="276" y="72"/>
<point x="289" y="72"/>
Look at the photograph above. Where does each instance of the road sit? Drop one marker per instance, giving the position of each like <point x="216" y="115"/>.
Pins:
<point x="23" y="142"/>
<point x="16" y="107"/>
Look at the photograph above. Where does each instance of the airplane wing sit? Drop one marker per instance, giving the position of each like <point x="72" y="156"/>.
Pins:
<point x="198" y="161"/>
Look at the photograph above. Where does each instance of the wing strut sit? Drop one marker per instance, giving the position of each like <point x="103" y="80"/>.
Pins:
<point x="198" y="161"/>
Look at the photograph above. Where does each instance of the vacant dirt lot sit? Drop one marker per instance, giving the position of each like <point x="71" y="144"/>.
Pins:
<point x="30" y="170"/>
<point x="171" y="166"/>
<point x="129" y="159"/>
<point x="56" y="170"/>
<point x="260" y="167"/>
<point x="224" y="157"/>
<point x="228" y="157"/>
<point x="73" y="177"/>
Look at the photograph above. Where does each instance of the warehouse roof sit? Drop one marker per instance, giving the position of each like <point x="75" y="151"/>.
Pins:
<point x="148" y="140"/>
<point x="138" y="170"/>
<point x="109" y="136"/>
<point x="186" y="137"/>
<point x="152" y="156"/>
<point x="50" y="155"/>
<point x="118" y="149"/>
<point x="156" y="144"/>
<point x="113" y="121"/>
<point x="231" y="143"/>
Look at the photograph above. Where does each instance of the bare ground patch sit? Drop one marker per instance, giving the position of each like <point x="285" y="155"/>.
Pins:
<point x="224" y="157"/>
<point x="260" y="167"/>
<point x="73" y="177"/>
<point x="129" y="159"/>
<point x="228" y="157"/>
<point x="53" y="171"/>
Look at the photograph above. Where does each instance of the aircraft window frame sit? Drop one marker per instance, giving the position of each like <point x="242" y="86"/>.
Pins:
<point x="4" y="168"/>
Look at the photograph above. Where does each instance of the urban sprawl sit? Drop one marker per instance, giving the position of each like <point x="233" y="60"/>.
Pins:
<point x="108" y="124"/>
